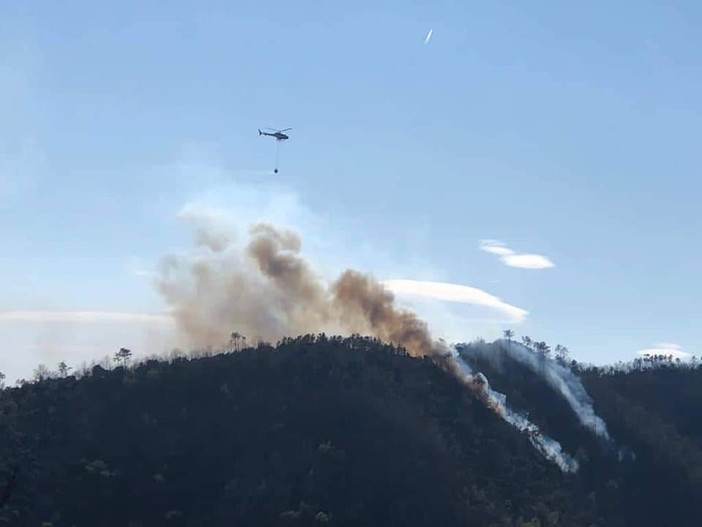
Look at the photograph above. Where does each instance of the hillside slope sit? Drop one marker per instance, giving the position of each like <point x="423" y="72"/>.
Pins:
<point x="314" y="431"/>
<point x="341" y="431"/>
<point x="650" y="472"/>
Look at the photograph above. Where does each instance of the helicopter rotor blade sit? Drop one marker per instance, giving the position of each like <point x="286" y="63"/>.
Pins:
<point x="275" y="130"/>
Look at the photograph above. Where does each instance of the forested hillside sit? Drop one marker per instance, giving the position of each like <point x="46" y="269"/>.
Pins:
<point x="650" y="472"/>
<point x="339" y="431"/>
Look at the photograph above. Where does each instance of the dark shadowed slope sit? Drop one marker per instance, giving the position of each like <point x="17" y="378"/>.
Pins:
<point x="657" y="412"/>
<point x="333" y="431"/>
<point x="650" y="471"/>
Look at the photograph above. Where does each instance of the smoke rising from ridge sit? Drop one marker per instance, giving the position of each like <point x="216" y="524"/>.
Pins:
<point x="558" y="377"/>
<point x="497" y="402"/>
<point x="264" y="288"/>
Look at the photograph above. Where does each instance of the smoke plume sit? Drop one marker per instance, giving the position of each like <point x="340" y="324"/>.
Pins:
<point x="497" y="402"/>
<point x="558" y="377"/>
<point x="265" y="289"/>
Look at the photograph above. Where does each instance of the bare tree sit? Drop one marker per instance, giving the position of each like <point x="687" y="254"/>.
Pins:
<point x="562" y="354"/>
<point x="508" y="334"/>
<point x="234" y="341"/>
<point x="63" y="369"/>
<point x="237" y="341"/>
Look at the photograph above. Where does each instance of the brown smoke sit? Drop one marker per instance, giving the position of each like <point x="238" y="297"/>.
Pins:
<point x="267" y="290"/>
<point x="367" y="307"/>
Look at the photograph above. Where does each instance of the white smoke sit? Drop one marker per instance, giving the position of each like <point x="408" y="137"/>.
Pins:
<point x="497" y="402"/>
<point x="558" y="377"/>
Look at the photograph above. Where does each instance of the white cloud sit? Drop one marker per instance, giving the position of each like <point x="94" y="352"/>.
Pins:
<point x="457" y="293"/>
<point x="83" y="317"/>
<point x="514" y="259"/>
<point x="495" y="247"/>
<point x="665" y="348"/>
<point x="527" y="261"/>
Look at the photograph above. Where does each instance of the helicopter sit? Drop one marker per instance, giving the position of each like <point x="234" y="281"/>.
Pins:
<point x="278" y="134"/>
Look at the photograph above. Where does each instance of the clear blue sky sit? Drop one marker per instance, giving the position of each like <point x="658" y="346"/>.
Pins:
<point x="569" y="131"/>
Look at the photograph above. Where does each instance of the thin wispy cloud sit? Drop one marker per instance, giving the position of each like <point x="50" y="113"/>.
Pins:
<point x="428" y="37"/>
<point x="84" y="317"/>
<point x="495" y="247"/>
<point x="527" y="261"/>
<point x="666" y="349"/>
<point x="513" y="259"/>
<point x="457" y="293"/>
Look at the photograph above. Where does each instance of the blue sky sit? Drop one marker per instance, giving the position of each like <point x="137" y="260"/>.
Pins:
<point x="564" y="131"/>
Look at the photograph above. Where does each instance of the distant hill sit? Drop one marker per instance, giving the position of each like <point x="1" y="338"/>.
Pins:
<point x="343" y="431"/>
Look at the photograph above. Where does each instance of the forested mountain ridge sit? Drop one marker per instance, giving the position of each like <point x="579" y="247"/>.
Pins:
<point x="341" y="431"/>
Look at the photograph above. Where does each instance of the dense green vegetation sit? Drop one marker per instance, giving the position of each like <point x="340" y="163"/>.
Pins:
<point x="339" y="431"/>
